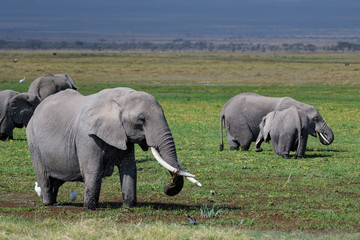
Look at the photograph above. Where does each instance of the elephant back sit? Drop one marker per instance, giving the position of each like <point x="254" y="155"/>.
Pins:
<point x="50" y="84"/>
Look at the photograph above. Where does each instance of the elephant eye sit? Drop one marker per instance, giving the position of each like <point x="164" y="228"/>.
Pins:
<point x="315" y="119"/>
<point x="141" y="118"/>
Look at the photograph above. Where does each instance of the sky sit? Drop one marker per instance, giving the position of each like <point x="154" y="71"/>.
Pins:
<point x="132" y="19"/>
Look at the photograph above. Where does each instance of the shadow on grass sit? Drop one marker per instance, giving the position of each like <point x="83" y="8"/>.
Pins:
<point x="152" y="205"/>
<point x="325" y="150"/>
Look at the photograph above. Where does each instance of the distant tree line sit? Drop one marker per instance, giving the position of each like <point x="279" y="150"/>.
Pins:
<point x="175" y="45"/>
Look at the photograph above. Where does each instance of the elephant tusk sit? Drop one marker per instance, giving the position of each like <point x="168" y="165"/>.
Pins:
<point x="168" y="166"/>
<point x="324" y="138"/>
<point x="193" y="180"/>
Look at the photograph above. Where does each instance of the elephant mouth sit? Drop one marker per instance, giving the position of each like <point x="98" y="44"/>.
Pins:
<point x="144" y="146"/>
<point x="324" y="138"/>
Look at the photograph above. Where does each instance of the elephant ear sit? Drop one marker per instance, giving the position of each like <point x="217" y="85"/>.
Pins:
<point x="310" y="127"/>
<point x="22" y="107"/>
<point x="104" y="121"/>
<point x="69" y="79"/>
<point x="266" y="125"/>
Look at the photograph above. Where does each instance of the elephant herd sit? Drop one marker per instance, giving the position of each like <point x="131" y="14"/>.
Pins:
<point x="249" y="117"/>
<point x="72" y="137"/>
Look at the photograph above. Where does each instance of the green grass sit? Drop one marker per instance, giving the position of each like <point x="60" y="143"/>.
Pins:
<point x="255" y="191"/>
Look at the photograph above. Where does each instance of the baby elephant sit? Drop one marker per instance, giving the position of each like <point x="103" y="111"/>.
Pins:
<point x="288" y="130"/>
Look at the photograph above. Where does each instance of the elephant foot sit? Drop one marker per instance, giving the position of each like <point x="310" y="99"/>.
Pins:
<point x="4" y="136"/>
<point x="91" y="205"/>
<point x="244" y="149"/>
<point x="221" y="147"/>
<point x="234" y="148"/>
<point x="48" y="204"/>
<point x="286" y="156"/>
<point x="258" y="149"/>
<point x="299" y="156"/>
<point x="129" y="203"/>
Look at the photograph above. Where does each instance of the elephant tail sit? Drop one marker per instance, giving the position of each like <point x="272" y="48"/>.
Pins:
<point x="222" y="119"/>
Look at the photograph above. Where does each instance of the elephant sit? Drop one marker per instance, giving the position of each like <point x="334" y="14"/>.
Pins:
<point x="49" y="84"/>
<point x="89" y="135"/>
<point x="16" y="110"/>
<point x="243" y="113"/>
<point x="288" y="130"/>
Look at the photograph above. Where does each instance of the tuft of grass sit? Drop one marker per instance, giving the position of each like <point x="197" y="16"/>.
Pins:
<point x="19" y="228"/>
<point x="209" y="211"/>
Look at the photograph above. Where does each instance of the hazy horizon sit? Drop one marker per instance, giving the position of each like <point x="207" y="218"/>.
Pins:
<point x="159" y="19"/>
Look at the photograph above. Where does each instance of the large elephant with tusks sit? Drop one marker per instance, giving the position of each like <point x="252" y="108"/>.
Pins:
<point x="73" y="137"/>
<point x="243" y="113"/>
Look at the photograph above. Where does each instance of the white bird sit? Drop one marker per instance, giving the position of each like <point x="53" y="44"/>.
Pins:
<point x="37" y="189"/>
<point x="72" y="195"/>
<point x="21" y="80"/>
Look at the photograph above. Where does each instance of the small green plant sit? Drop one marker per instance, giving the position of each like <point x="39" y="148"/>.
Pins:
<point x="209" y="211"/>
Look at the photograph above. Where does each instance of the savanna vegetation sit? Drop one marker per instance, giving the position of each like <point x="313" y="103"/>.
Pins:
<point x="245" y="195"/>
<point x="179" y="45"/>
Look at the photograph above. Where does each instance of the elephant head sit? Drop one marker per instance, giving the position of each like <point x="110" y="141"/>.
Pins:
<point x="317" y="123"/>
<point x="137" y="117"/>
<point x="49" y="84"/>
<point x="16" y="111"/>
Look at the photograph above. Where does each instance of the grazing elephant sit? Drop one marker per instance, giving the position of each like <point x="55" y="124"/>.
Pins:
<point x="288" y="130"/>
<point x="89" y="135"/>
<point x="16" y="110"/>
<point x="243" y="113"/>
<point x="49" y="84"/>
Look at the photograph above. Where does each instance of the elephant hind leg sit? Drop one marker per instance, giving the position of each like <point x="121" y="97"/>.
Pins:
<point x="246" y="139"/>
<point x="233" y="143"/>
<point x="284" y="145"/>
<point x="238" y="133"/>
<point x="55" y="184"/>
<point x="41" y="175"/>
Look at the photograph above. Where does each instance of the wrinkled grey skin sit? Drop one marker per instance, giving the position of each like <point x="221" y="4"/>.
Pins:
<point x="49" y="84"/>
<point x="288" y="130"/>
<point x="243" y="113"/>
<point x="16" y="110"/>
<point x="89" y="135"/>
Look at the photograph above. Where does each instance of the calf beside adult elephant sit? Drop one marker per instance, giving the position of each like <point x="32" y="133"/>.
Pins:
<point x="243" y="113"/>
<point x="17" y="108"/>
<point x="288" y="131"/>
<point x="89" y="135"/>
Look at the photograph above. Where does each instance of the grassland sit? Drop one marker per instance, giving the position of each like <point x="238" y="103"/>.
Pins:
<point x="314" y="197"/>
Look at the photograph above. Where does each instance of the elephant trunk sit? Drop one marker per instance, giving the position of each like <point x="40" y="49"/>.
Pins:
<point x="326" y="136"/>
<point x="165" y="154"/>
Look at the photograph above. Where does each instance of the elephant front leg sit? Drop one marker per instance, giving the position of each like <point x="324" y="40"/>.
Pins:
<point x="128" y="175"/>
<point x="92" y="190"/>
<point x="300" y="152"/>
